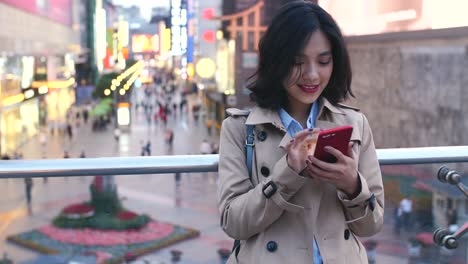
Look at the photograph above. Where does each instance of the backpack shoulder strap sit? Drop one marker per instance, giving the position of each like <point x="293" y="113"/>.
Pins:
<point x="249" y="140"/>
<point x="249" y="145"/>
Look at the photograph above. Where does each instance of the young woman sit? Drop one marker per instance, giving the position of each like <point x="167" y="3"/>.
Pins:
<point x="294" y="208"/>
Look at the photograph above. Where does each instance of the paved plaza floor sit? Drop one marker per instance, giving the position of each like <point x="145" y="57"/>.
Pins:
<point x="192" y="202"/>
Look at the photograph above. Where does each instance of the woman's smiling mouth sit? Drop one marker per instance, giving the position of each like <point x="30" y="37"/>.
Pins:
<point x="309" y="88"/>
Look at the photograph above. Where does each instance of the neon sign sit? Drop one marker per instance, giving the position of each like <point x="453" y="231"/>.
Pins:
<point x="178" y="27"/>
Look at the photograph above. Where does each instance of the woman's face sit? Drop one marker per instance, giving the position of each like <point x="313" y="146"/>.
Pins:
<point x="311" y="73"/>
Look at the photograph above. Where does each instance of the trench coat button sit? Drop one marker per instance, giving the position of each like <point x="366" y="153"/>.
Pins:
<point x="272" y="246"/>
<point x="346" y="234"/>
<point x="372" y="202"/>
<point x="262" y="135"/>
<point x="265" y="171"/>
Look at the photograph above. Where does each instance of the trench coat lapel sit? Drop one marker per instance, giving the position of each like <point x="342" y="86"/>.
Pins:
<point x="285" y="140"/>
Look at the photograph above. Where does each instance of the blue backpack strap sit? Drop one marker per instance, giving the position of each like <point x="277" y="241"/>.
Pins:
<point x="249" y="145"/>
<point x="249" y="140"/>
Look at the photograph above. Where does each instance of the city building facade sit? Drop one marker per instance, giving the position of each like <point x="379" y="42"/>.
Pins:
<point x="38" y="43"/>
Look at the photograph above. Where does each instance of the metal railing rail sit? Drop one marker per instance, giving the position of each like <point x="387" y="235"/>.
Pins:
<point x="195" y="163"/>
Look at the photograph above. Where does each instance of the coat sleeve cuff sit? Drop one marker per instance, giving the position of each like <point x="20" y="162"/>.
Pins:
<point x="358" y="201"/>
<point x="288" y="181"/>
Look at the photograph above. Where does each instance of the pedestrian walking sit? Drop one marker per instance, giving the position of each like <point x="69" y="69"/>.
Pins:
<point x="66" y="155"/>
<point x="69" y="130"/>
<point x="78" y="118"/>
<point x="155" y="118"/>
<point x="117" y="134"/>
<point x="183" y="102"/>
<point x="406" y="207"/>
<point x="28" y="183"/>
<point x="214" y="148"/>
<point x="209" y="124"/>
<point x="169" y="137"/>
<point x="281" y="204"/>
<point x="82" y="154"/>
<point x="205" y="147"/>
<point x="146" y="149"/>
<point x="85" y="115"/>
<point x="43" y="142"/>
<point x="148" y="118"/>
<point x="174" y="109"/>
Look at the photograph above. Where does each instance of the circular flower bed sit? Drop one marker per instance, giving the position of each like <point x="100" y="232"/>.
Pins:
<point x="76" y="211"/>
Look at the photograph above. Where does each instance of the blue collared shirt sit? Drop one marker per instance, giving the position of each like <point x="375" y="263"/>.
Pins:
<point x="293" y="127"/>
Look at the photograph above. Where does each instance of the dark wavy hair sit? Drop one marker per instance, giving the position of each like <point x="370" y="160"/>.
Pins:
<point x="284" y="40"/>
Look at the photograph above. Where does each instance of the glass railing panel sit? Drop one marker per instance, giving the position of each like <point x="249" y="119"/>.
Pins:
<point x="182" y="210"/>
<point x="186" y="205"/>
<point x="416" y="204"/>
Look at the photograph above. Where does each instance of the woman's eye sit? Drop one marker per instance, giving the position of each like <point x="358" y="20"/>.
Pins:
<point x="324" y="62"/>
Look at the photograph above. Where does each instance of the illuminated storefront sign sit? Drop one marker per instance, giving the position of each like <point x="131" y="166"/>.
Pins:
<point x="178" y="27"/>
<point x="145" y="43"/>
<point x="123" y="114"/>
<point x="222" y="61"/>
<point x="164" y="39"/>
<point x="27" y="74"/>
<point x="205" y="68"/>
<point x="14" y="99"/>
<point x="100" y="37"/>
<point x="366" y="17"/>
<point x="29" y="93"/>
<point x="225" y="62"/>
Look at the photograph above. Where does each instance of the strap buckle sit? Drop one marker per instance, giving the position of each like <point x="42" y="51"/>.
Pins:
<point x="247" y="144"/>
<point x="269" y="189"/>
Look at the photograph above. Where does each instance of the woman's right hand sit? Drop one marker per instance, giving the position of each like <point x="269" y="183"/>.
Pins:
<point x="296" y="149"/>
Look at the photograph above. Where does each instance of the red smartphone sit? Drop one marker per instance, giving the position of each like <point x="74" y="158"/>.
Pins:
<point x="336" y="137"/>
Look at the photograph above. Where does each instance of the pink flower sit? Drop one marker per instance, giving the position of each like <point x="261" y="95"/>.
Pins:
<point x="92" y="237"/>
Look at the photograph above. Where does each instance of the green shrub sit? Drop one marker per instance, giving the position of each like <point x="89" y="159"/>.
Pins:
<point x="102" y="221"/>
<point x="105" y="202"/>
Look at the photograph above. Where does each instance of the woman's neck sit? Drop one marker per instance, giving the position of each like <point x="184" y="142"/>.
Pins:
<point x="300" y="113"/>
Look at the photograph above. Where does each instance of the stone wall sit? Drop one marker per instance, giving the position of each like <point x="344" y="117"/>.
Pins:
<point x="413" y="92"/>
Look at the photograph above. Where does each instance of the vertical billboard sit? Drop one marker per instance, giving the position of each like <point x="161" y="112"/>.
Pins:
<point x="178" y="27"/>
<point x="190" y="30"/>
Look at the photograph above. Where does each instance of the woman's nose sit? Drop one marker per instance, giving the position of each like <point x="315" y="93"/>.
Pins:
<point x="310" y="73"/>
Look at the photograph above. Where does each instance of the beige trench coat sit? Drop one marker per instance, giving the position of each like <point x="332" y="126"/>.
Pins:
<point x="281" y="229"/>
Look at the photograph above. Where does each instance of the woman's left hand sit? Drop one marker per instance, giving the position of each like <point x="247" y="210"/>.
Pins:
<point x="342" y="174"/>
